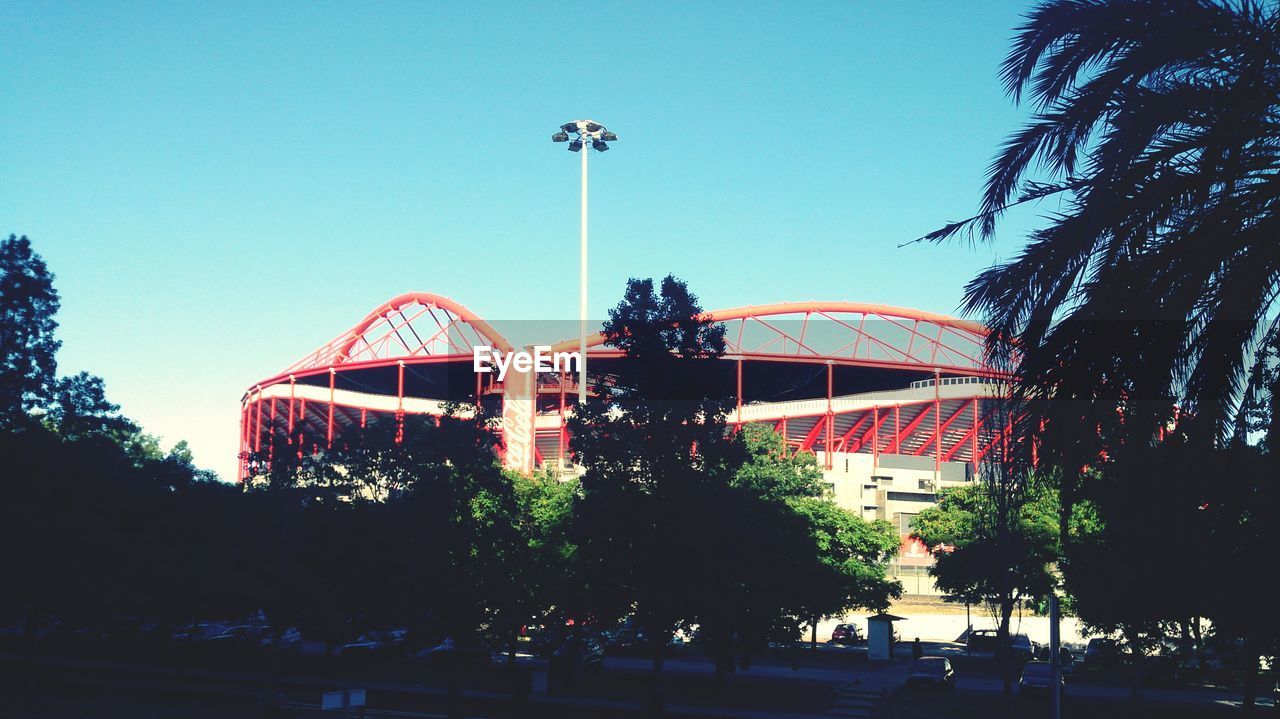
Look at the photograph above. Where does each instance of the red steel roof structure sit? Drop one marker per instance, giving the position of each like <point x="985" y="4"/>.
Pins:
<point x="830" y="377"/>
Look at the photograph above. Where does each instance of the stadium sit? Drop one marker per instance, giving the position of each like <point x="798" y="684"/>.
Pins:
<point x="890" y="400"/>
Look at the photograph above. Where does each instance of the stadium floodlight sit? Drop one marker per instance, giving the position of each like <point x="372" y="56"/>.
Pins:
<point x="582" y="132"/>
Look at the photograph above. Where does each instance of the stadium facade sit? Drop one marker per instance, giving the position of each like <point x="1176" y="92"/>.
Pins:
<point x="890" y="400"/>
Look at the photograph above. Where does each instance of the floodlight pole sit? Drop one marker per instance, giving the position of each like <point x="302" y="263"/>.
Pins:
<point x="582" y="290"/>
<point x="589" y="135"/>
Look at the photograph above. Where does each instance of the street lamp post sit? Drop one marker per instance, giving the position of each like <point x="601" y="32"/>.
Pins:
<point x="583" y="132"/>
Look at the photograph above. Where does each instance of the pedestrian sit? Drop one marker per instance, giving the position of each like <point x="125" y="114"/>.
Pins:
<point x="917" y="650"/>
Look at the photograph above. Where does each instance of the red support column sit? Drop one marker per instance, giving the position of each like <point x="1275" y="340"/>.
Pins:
<point x="271" y="441"/>
<point x="364" y="412"/>
<point x="911" y="427"/>
<point x="897" y="429"/>
<point x="976" y="423"/>
<point x="400" y="402"/>
<point x="875" y="437"/>
<point x="329" y="430"/>
<point x="842" y="444"/>
<point x="257" y="435"/>
<point x="810" y="440"/>
<point x="739" y="416"/>
<point x="291" y="393"/>
<point x="830" y="418"/>
<point x="478" y="394"/>
<point x="937" y="425"/>
<point x="242" y="457"/>
<point x="872" y="431"/>
<point x="939" y="429"/>
<point x="560" y="432"/>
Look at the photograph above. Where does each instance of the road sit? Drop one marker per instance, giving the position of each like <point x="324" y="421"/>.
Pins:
<point x="174" y="688"/>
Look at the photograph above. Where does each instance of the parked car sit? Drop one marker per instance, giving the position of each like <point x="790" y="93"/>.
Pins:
<point x="198" y="632"/>
<point x="1102" y="650"/>
<point x="451" y="654"/>
<point x="626" y="639"/>
<point x="583" y="647"/>
<point x="383" y="642"/>
<point x="1022" y="646"/>
<point x="932" y="673"/>
<point x="982" y="641"/>
<point x="288" y="639"/>
<point x="847" y="634"/>
<point x="1037" y="678"/>
<point x="1066" y="660"/>
<point x="241" y="634"/>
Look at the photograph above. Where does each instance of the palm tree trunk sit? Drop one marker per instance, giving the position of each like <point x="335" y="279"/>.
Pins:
<point x="1004" y="657"/>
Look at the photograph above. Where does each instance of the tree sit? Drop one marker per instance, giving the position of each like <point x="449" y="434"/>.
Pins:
<point x="1172" y="526"/>
<point x="845" y="566"/>
<point x="968" y="565"/>
<point x="994" y="542"/>
<point x="414" y="513"/>
<point x="771" y="470"/>
<point x="853" y="556"/>
<point x="79" y="408"/>
<point x="681" y="522"/>
<point x="541" y="559"/>
<point x="658" y="463"/>
<point x="1140" y="302"/>
<point x="1155" y="128"/>
<point x="787" y="555"/>
<point x="28" y="303"/>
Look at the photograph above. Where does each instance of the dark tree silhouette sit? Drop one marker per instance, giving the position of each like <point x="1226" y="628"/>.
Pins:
<point x="1140" y="304"/>
<point x="657" y="457"/>
<point x="79" y="408"/>
<point x="1155" y="128"/>
<point x="28" y="303"/>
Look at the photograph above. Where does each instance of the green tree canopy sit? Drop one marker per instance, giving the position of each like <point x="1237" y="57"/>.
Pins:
<point x="971" y="564"/>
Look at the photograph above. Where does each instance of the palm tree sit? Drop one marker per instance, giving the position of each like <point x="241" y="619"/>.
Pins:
<point x="1156" y="128"/>
<point x="1140" y="304"/>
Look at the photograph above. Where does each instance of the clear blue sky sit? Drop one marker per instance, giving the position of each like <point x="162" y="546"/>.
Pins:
<point x="221" y="187"/>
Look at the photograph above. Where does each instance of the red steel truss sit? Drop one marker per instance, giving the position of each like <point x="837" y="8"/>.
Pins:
<point x="413" y="325"/>
<point x="853" y="334"/>
<point x="941" y="417"/>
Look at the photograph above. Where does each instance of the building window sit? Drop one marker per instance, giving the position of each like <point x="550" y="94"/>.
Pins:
<point x="911" y="497"/>
<point x="883" y="480"/>
<point x="906" y="523"/>
<point x="927" y="485"/>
